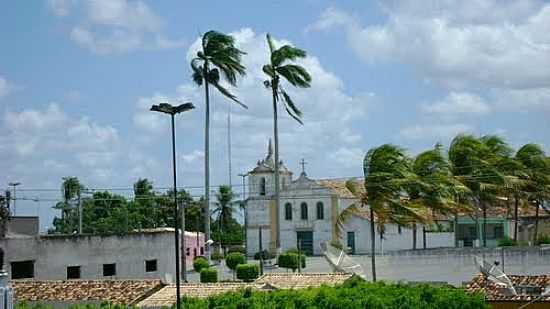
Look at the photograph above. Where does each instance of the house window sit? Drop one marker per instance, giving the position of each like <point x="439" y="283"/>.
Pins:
<point x="188" y="251"/>
<point x="109" y="270"/>
<point x="320" y="211"/>
<point x="202" y="250"/>
<point x="194" y="252"/>
<point x="288" y="211"/>
<point x="262" y="186"/>
<point x="399" y="229"/>
<point x="498" y="232"/>
<point x="22" y="270"/>
<point x="73" y="272"/>
<point x="303" y="211"/>
<point x="150" y="265"/>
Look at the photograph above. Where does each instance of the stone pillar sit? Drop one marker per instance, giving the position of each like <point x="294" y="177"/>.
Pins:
<point x="6" y="292"/>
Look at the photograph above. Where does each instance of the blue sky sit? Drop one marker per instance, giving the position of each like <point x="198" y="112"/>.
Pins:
<point x="77" y="78"/>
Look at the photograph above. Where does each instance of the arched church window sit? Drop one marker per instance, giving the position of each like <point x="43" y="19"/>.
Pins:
<point x="303" y="211"/>
<point x="288" y="211"/>
<point x="262" y="186"/>
<point x="320" y="211"/>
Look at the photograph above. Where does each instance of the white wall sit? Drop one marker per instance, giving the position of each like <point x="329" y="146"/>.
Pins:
<point x="52" y="254"/>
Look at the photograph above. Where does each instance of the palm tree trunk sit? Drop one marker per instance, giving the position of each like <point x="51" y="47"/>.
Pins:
<point x="424" y="237"/>
<point x="484" y="232"/>
<point x="516" y="204"/>
<point x="206" y="161"/>
<point x="373" y="246"/>
<point x="276" y="139"/>
<point x="414" y="236"/>
<point x="535" y="236"/>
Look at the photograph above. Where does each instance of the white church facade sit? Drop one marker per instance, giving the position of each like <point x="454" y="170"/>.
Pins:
<point x="308" y="212"/>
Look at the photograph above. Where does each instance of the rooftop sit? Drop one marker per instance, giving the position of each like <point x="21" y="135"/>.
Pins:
<point x="523" y="285"/>
<point x="115" y="291"/>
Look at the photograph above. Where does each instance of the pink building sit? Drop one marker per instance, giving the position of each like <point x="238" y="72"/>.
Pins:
<point x="194" y="246"/>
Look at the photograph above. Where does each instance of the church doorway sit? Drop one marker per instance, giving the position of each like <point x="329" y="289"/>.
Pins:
<point x="305" y="241"/>
<point x="351" y="242"/>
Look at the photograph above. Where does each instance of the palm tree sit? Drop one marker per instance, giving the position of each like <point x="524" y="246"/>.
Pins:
<point x="224" y="208"/>
<point x="537" y="187"/>
<point x="435" y="189"/>
<point x="218" y="53"/>
<point x="277" y="69"/>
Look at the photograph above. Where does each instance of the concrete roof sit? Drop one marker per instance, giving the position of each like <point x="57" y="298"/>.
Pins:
<point x="115" y="291"/>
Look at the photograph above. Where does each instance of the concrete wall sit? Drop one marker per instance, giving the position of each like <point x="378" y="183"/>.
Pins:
<point x="23" y="225"/>
<point x="52" y="254"/>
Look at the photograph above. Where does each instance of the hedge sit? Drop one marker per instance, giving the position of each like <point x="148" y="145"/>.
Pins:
<point x="233" y="259"/>
<point x="354" y="294"/>
<point x="247" y="272"/>
<point x="290" y="260"/>
<point x="506" y="242"/>
<point x="199" y="263"/>
<point x="209" y="275"/>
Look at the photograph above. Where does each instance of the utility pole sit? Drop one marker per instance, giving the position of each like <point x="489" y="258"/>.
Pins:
<point x="79" y="212"/>
<point x="261" y="252"/>
<point x="243" y="201"/>
<point x="14" y="185"/>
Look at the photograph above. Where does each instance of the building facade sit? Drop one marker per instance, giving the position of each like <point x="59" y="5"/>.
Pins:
<point x="308" y="212"/>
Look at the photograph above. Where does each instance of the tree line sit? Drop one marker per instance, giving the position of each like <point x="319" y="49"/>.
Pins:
<point x="473" y="175"/>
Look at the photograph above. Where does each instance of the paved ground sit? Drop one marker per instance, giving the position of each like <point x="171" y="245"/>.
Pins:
<point x="452" y="269"/>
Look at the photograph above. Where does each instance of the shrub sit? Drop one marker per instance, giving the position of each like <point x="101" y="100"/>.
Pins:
<point x="216" y="256"/>
<point x="290" y="260"/>
<point x="209" y="275"/>
<point x="199" y="263"/>
<point x="233" y="259"/>
<point x="351" y="295"/>
<point x="266" y="255"/>
<point x="247" y="272"/>
<point x="544" y="240"/>
<point x="506" y="242"/>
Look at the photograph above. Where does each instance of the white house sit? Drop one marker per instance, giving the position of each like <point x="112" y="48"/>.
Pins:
<point x="308" y="212"/>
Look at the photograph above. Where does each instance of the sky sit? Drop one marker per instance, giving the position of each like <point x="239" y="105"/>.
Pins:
<point x="77" y="79"/>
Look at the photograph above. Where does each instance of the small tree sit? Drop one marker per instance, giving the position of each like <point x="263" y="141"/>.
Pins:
<point x="209" y="275"/>
<point x="233" y="259"/>
<point x="247" y="272"/>
<point x="200" y="263"/>
<point x="291" y="260"/>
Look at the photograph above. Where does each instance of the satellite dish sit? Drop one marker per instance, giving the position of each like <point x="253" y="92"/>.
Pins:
<point x="340" y="261"/>
<point x="492" y="272"/>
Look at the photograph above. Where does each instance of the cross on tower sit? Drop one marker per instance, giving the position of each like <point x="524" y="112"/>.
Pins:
<point x="303" y="164"/>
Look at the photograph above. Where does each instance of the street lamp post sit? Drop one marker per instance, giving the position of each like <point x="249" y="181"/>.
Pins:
<point x="14" y="185"/>
<point x="172" y="111"/>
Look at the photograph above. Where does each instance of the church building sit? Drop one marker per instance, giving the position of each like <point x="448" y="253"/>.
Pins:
<point x="308" y="212"/>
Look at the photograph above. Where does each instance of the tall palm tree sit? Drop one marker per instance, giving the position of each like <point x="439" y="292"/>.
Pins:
<point x="224" y="208"/>
<point x="218" y="53"/>
<point x="435" y="189"/>
<point x="537" y="188"/>
<point x="277" y="69"/>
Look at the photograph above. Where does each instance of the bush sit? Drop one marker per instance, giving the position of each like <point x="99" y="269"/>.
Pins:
<point x="233" y="259"/>
<point x="506" y="242"/>
<point x="543" y="240"/>
<point x="290" y="260"/>
<point x="209" y="275"/>
<point x="247" y="272"/>
<point x="216" y="256"/>
<point x="199" y="263"/>
<point x="351" y="295"/>
<point x="266" y="255"/>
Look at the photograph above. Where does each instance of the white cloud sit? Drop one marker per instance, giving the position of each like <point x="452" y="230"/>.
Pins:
<point x="348" y="157"/>
<point x="522" y="99"/>
<point x="116" y="26"/>
<point x="458" y="103"/>
<point x="457" y="43"/>
<point x="193" y="156"/>
<point x="435" y="131"/>
<point x="5" y="87"/>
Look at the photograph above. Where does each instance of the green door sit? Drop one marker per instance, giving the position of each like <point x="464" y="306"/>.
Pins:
<point x="351" y="242"/>
<point x="305" y="241"/>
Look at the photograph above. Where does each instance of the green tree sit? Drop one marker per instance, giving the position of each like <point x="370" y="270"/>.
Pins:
<point x="537" y="186"/>
<point x="218" y="53"/>
<point x="224" y="212"/>
<point x="278" y="68"/>
<point x="71" y="189"/>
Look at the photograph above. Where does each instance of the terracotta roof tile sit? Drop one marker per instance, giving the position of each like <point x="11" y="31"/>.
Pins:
<point x="494" y="292"/>
<point x="115" y="291"/>
<point x="338" y="187"/>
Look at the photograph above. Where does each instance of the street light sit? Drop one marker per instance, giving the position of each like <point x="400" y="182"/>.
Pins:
<point x="244" y="209"/>
<point x="172" y="111"/>
<point x="14" y="184"/>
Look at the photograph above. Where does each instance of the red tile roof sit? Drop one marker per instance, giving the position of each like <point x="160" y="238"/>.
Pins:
<point x="496" y="293"/>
